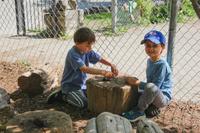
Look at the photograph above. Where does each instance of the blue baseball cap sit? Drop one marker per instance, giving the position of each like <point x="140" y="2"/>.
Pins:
<point x="154" y="36"/>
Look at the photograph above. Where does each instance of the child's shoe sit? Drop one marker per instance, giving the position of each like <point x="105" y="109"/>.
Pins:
<point x="134" y="115"/>
<point x="54" y="96"/>
<point x="152" y="111"/>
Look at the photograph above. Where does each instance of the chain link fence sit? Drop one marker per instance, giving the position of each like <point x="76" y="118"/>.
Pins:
<point x="40" y="32"/>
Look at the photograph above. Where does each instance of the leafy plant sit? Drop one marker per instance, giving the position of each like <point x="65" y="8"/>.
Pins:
<point x="145" y="9"/>
<point x="186" y="11"/>
<point x="25" y="63"/>
<point x="159" y="14"/>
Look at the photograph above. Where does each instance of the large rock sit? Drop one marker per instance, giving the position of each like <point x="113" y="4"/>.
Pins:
<point x="4" y="98"/>
<point x="148" y="126"/>
<point x="41" y="121"/>
<point x="110" y="95"/>
<point x="6" y="111"/>
<point x="108" y="123"/>
<point x="33" y="82"/>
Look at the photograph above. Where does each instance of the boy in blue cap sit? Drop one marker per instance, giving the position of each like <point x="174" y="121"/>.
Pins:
<point x="157" y="91"/>
<point x="73" y="84"/>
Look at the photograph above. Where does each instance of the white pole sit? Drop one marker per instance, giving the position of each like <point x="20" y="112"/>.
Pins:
<point x="114" y="15"/>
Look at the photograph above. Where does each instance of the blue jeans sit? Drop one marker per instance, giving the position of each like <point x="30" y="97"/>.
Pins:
<point x="152" y="95"/>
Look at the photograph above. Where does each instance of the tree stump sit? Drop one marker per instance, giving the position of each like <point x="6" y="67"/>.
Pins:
<point x="33" y="82"/>
<point x="54" y="19"/>
<point x="111" y="95"/>
<point x="108" y="123"/>
<point x="41" y="121"/>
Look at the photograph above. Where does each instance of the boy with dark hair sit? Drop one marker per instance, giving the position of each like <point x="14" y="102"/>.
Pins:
<point x="73" y="84"/>
<point x="157" y="91"/>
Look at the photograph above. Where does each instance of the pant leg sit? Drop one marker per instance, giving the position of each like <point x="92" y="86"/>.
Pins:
<point x="76" y="98"/>
<point x="161" y="100"/>
<point x="152" y="94"/>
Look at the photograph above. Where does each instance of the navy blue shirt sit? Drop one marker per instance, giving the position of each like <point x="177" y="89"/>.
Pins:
<point x="160" y="74"/>
<point x="73" y="78"/>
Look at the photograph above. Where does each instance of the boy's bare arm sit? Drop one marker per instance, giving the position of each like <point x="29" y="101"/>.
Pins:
<point x="113" y="67"/>
<point x="95" y="71"/>
<point x="132" y="81"/>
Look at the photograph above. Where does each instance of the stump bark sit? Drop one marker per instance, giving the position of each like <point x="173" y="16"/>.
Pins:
<point x="41" y="121"/>
<point x="111" y="95"/>
<point x="33" y="82"/>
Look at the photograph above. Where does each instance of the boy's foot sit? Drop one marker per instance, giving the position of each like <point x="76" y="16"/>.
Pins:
<point x="54" y="96"/>
<point x="134" y="116"/>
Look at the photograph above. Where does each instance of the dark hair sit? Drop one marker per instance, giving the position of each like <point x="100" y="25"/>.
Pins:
<point x="84" y="34"/>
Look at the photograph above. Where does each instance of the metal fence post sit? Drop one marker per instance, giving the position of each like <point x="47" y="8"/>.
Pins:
<point x="20" y="19"/>
<point x="55" y="18"/>
<point x="172" y="31"/>
<point x="114" y="15"/>
<point x="80" y="17"/>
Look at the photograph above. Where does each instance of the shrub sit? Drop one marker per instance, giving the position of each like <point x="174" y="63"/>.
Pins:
<point x="145" y="9"/>
<point x="186" y="11"/>
<point x="159" y="14"/>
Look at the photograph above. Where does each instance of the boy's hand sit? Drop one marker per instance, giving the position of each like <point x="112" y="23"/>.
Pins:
<point x="108" y="74"/>
<point x="114" y="70"/>
<point x="132" y="81"/>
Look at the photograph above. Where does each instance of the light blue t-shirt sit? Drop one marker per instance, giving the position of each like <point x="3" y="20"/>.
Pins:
<point x="73" y="78"/>
<point x="160" y="74"/>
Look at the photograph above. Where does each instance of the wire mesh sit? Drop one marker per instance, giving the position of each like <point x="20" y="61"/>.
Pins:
<point x="49" y="35"/>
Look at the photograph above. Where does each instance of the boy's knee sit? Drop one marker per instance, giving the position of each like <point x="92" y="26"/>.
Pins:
<point x="151" y="88"/>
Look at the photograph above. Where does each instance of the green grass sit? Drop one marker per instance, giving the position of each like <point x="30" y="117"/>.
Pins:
<point x="104" y="22"/>
<point x="36" y="30"/>
<point x="25" y="63"/>
<point x="64" y="36"/>
<point x="99" y="16"/>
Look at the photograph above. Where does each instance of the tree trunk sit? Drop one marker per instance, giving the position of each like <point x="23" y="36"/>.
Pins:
<point x="196" y="6"/>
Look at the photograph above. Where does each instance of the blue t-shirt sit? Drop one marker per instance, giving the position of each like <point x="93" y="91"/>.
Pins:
<point x="160" y="74"/>
<point x="73" y="78"/>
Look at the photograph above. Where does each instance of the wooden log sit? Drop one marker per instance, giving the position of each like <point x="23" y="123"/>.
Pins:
<point x="111" y="96"/>
<point x="108" y="123"/>
<point x="33" y="82"/>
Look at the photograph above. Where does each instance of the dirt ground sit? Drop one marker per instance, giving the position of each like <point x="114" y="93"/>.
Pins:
<point x="177" y="117"/>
